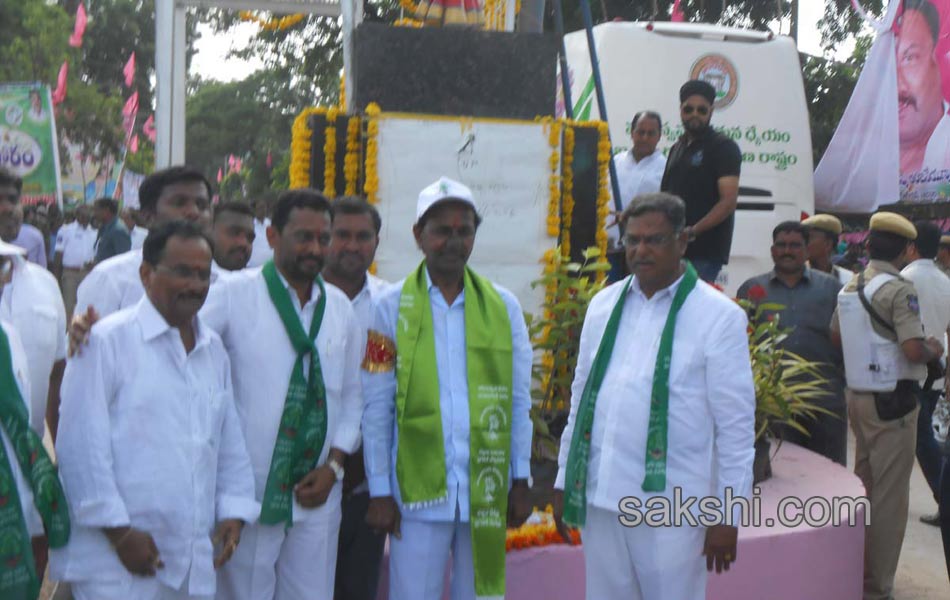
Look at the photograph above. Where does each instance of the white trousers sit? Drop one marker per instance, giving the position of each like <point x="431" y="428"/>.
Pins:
<point x="274" y="563"/>
<point x="417" y="562"/>
<point x="642" y="563"/>
<point x="132" y="587"/>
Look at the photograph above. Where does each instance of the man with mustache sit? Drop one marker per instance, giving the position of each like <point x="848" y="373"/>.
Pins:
<point x="922" y="132"/>
<point x="663" y="389"/>
<point x="233" y="234"/>
<point x="808" y="298"/>
<point x="446" y="426"/>
<point x="703" y="170"/>
<point x="295" y="349"/>
<point x="150" y="449"/>
<point x="823" y="232"/>
<point x="353" y="244"/>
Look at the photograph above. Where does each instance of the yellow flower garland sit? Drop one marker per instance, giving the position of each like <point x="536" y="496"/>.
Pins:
<point x="300" y="147"/>
<point x="351" y="160"/>
<point x="343" y="91"/>
<point x="371" y="185"/>
<point x="407" y="22"/>
<point x="553" y="129"/>
<point x="567" y="191"/>
<point x="272" y="24"/>
<point x="409" y="6"/>
<point x="329" y="154"/>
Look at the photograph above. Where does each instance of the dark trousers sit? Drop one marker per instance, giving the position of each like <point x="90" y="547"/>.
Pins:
<point x="928" y="453"/>
<point x="359" y="552"/>
<point x="828" y="433"/>
<point x="707" y="269"/>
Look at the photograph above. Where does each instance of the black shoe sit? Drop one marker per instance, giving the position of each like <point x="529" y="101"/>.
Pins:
<point x="932" y="520"/>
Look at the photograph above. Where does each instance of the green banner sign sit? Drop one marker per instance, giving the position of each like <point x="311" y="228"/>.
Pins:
<point x="28" y="140"/>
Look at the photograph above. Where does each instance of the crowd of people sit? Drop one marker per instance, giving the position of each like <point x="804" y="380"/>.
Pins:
<point x="241" y="410"/>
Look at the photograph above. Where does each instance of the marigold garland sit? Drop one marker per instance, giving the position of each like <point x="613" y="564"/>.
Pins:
<point x="329" y="154"/>
<point x="351" y="160"/>
<point x="407" y="22"/>
<point x="300" y="149"/>
<point x="274" y="23"/>
<point x="603" y="194"/>
<point x="343" y="91"/>
<point x="538" y="530"/>
<point x="553" y="129"/>
<point x="409" y="6"/>
<point x="567" y="190"/>
<point x="371" y="185"/>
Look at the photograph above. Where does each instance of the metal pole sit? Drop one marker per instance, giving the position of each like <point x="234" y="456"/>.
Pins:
<point x="601" y="102"/>
<point x="562" y="57"/>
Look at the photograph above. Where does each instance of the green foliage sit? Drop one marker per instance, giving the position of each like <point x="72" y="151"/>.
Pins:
<point x="555" y="335"/>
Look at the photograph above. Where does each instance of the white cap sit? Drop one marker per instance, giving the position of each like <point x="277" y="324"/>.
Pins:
<point x="440" y="191"/>
<point x="11" y="250"/>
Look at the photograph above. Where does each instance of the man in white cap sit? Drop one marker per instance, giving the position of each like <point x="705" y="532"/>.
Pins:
<point x="446" y="427"/>
<point x="295" y="346"/>
<point x="823" y="232"/>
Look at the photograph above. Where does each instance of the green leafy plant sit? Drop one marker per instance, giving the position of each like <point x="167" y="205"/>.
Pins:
<point x="555" y="335"/>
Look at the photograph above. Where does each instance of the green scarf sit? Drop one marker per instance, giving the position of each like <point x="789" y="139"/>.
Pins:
<point x="420" y="456"/>
<point x="17" y="571"/>
<point x="575" y="482"/>
<point x="303" y="424"/>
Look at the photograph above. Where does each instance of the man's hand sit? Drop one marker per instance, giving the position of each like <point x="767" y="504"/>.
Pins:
<point x="382" y="515"/>
<point x="228" y="535"/>
<point x="557" y="504"/>
<point x="79" y="330"/>
<point x="136" y="550"/>
<point x="720" y="547"/>
<point x="314" y="489"/>
<point x="519" y="504"/>
<point x="934" y="346"/>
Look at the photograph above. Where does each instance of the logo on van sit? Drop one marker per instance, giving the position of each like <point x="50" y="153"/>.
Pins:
<point x="719" y="71"/>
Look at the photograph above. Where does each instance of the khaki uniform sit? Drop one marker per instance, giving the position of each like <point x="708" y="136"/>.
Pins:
<point x="885" y="450"/>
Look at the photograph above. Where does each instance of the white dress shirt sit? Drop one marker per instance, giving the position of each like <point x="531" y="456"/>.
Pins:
<point x="149" y="437"/>
<point x="112" y="285"/>
<point x="138" y="235"/>
<point x="635" y="178"/>
<point x="239" y="308"/>
<point x="380" y="435"/>
<point x="260" y="249"/>
<point x="711" y="402"/>
<point x="32" y="303"/>
<point x="34" y="523"/>
<point x="933" y="295"/>
<point x="77" y="244"/>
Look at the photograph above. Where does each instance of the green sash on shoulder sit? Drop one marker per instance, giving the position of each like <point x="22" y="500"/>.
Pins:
<point x="17" y="571"/>
<point x="420" y="456"/>
<point x="575" y="481"/>
<point x="303" y="424"/>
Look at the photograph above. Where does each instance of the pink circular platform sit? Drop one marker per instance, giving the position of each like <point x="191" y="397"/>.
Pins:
<point x="774" y="563"/>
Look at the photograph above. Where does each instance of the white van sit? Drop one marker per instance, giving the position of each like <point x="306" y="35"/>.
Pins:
<point x="760" y="104"/>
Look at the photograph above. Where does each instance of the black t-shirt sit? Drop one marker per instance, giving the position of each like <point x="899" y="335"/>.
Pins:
<point x="692" y="173"/>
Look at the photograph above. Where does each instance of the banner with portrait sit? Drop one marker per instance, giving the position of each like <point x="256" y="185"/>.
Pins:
<point x="28" y="144"/>
<point x="893" y="141"/>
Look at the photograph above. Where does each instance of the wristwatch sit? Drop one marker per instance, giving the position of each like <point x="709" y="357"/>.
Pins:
<point x="337" y="469"/>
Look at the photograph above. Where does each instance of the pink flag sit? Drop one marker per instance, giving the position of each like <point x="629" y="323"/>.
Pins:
<point x="148" y="128"/>
<point x="220" y="175"/>
<point x="129" y="70"/>
<point x="131" y="105"/>
<point x="677" y="16"/>
<point x="134" y="144"/>
<point x="75" y="40"/>
<point x="59" y="94"/>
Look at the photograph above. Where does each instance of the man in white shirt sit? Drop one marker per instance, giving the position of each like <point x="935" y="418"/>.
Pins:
<point x="150" y="449"/>
<point x="260" y="252"/>
<point x="933" y="296"/>
<point x="446" y="432"/>
<point x="179" y="192"/>
<point x="658" y="408"/>
<point x="353" y="244"/>
<point x="138" y="234"/>
<point x="639" y="171"/>
<point x="31" y="497"/>
<point x="234" y="236"/>
<point x="823" y="232"/>
<point x="74" y="251"/>
<point x="300" y="409"/>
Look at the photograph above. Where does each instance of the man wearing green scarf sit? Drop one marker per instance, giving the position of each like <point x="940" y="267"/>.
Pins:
<point x="446" y="432"/>
<point x="662" y="400"/>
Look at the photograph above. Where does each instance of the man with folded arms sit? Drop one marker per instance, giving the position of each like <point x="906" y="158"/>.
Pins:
<point x="446" y="426"/>
<point x="150" y="445"/>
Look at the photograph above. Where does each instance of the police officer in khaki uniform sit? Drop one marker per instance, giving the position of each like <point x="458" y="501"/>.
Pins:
<point x="823" y="235"/>
<point x="943" y="255"/>
<point x="884" y="456"/>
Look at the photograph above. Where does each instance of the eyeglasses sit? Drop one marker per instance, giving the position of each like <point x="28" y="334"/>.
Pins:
<point x="651" y="241"/>
<point x="186" y="273"/>
<point x="689" y="109"/>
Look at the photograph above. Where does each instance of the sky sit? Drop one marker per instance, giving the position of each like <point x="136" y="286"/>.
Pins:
<point x="212" y="62"/>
